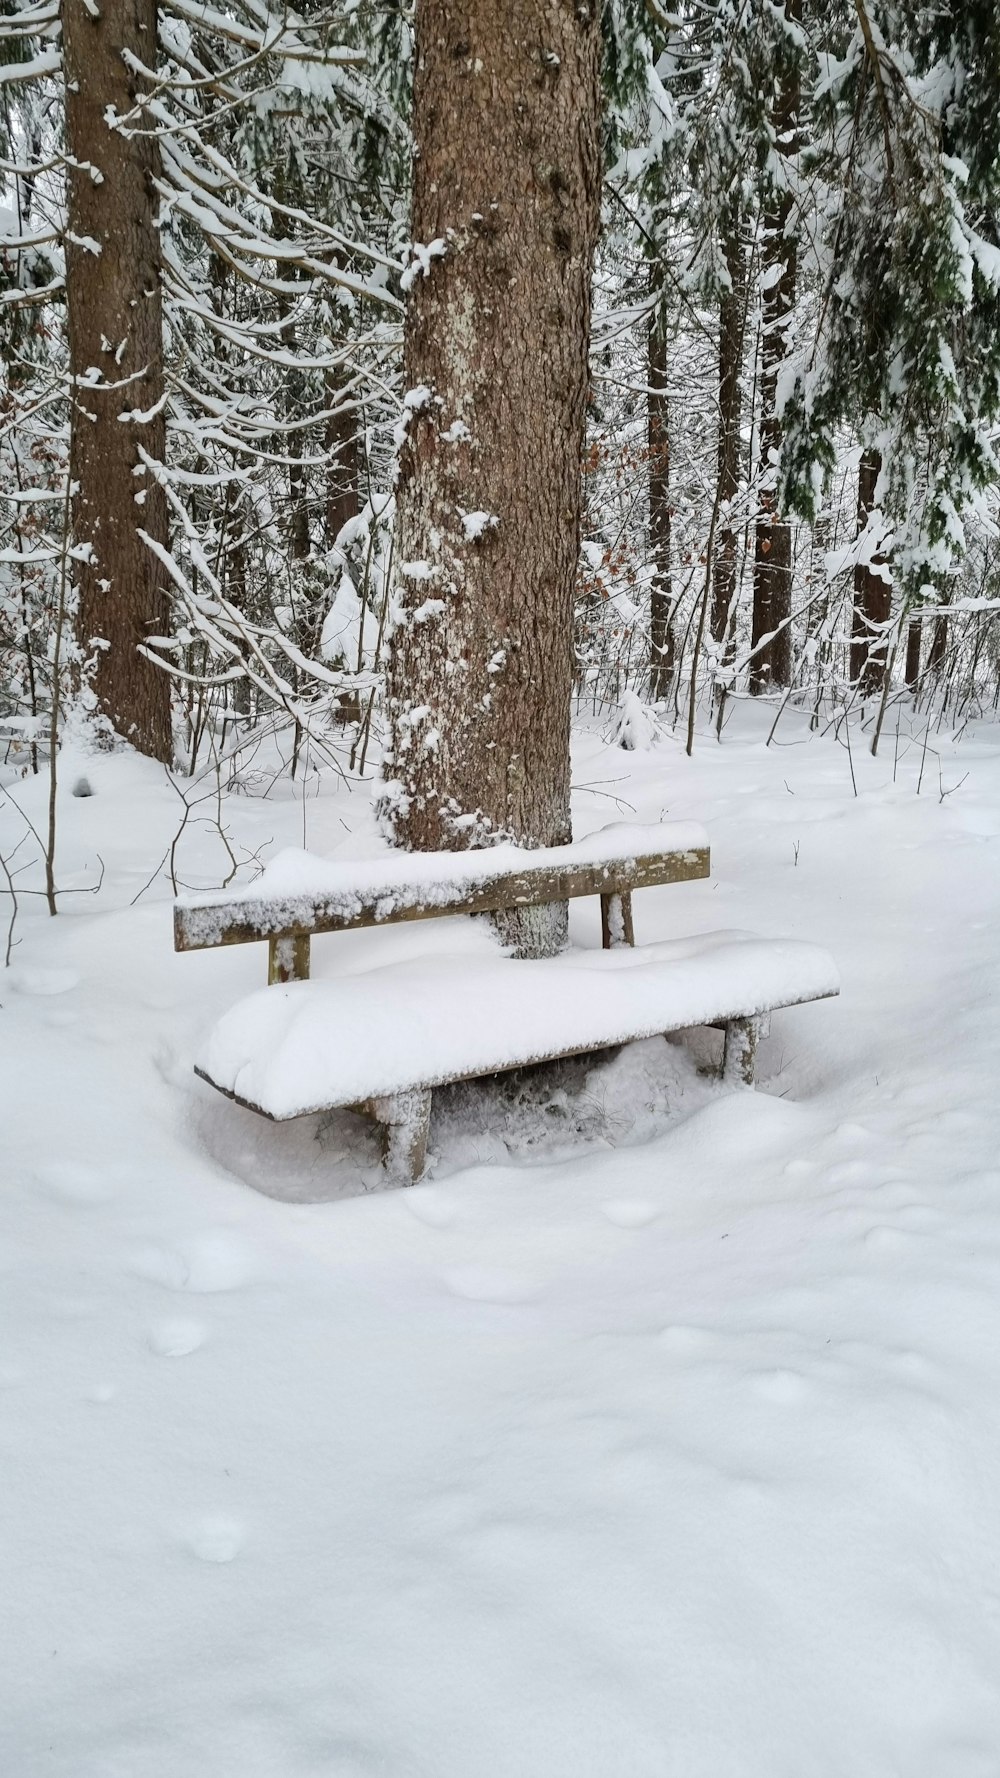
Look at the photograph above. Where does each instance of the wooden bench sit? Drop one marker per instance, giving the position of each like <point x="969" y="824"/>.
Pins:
<point x="382" y="1040"/>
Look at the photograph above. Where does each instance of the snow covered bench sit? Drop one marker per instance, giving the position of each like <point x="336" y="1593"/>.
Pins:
<point x="368" y="1041"/>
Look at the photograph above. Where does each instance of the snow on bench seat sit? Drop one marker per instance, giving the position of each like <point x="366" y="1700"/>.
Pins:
<point x="312" y="1046"/>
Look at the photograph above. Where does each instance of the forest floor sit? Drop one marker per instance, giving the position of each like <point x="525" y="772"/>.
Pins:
<point x="657" y="1435"/>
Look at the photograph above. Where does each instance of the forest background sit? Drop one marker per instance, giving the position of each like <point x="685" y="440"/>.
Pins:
<point x="789" y="471"/>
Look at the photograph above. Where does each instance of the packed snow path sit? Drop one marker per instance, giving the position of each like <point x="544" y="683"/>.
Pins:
<point x="677" y="1459"/>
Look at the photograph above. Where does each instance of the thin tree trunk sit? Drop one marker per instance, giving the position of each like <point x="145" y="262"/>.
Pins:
<point x="872" y="595"/>
<point x="732" y="305"/>
<point x="237" y="590"/>
<point x="299" y="541"/>
<point x="772" y="585"/>
<point x="939" y="643"/>
<point x="913" y="639"/>
<point x="506" y="116"/>
<point x="343" y="474"/>
<point x="294" y="445"/>
<point x="661" y="636"/>
<point x="116" y="366"/>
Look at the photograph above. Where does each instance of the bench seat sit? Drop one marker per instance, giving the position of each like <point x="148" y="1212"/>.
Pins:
<point x="372" y="1038"/>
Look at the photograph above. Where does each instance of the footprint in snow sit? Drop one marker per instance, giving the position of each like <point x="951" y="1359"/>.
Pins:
<point x="71" y="1182"/>
<point x="429" y="1206"/>
<point x="483" y="1284"/>
<point x="175" y="1338"/>
<point x="212" y="1262"/>
<point x="685" y="1342"/>
<point x="885" y="1240"/>
<point x="850" y="1133"/>
<point x="161" y="1265"/>
<point x="859" y="1173"/>
<point x="799" y="1168"/>
<point x="630" y="1213"/>
<point x="26" y="979"/>
<point x="171" y="1066"/>
<point x="917" y="1217"/>
<point x="215" y="1539"/>
<point x="783" y="1387"/>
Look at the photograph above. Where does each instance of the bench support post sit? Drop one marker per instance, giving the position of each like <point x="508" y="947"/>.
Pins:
<point x="288" y="958"/>
<point x="616" y="920"/>
<point x="405" y="1120"/>
<point x="739" y="1056"/>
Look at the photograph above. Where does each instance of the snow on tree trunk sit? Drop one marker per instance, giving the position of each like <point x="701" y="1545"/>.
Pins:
<point x="506" y="113"/>
<point x="731" y="307"/>
<point x="343" y="474"/>
<point x="116" y="364"/>
<point x="772" y="575"/>
<point x="872" y="595"/>
<point x="661" y="666"/>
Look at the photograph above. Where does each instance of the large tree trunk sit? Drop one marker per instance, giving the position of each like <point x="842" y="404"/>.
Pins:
<point x="116" y="366"/>
<point x="506" y="112"/>
<point x="732" y="307"/>
<point x="772" y="576"/>
<point x="661" y="636"/>
<point x="872" y="596"/>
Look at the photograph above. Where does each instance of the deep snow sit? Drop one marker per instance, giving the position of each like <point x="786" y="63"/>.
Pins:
<point x="665" y="1446"/>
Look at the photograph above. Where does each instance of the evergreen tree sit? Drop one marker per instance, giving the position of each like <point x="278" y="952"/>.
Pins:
<point x="908" y="341"/>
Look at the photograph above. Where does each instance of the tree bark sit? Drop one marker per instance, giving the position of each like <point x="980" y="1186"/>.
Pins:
<point x="872" y="596"/>
<point x="116" y="367"/>
<point x="506" y="194"/>
<point x="661" y="636"/>
<point x="732" y="304"/>
<point x="772" y="582"/>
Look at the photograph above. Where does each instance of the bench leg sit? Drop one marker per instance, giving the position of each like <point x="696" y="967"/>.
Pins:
<point x="288" y="958"/>
<point x="739" y="1056"/>
<point x="616" y="920"/>
<point x="405" y="1119"/>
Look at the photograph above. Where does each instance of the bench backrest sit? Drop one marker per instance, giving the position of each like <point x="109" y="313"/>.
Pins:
<point x="299" y="895"/>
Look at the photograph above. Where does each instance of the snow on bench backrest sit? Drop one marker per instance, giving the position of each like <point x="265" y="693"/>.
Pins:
<point x="300" y="892"/>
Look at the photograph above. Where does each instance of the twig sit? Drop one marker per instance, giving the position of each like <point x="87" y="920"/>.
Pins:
<point x="953" y="788"/>
<point x="5" y="864"/>
<point x="850" y="756"/>
<point x="923" y="755"/>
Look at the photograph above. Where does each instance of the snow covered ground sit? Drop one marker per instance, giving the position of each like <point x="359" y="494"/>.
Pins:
<point x="656" y="1436"/>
